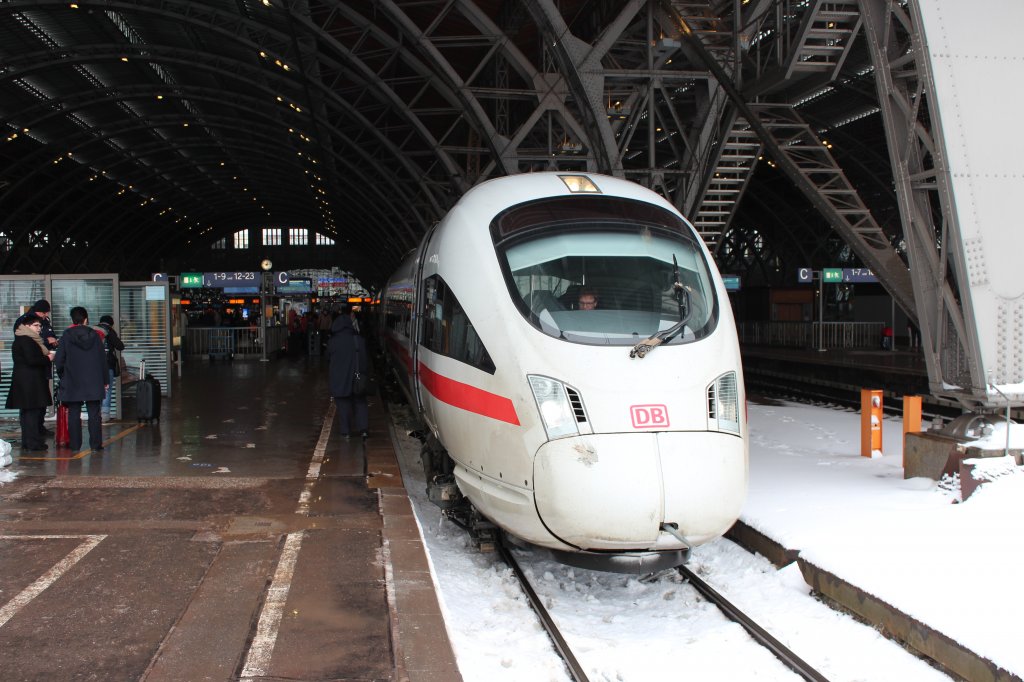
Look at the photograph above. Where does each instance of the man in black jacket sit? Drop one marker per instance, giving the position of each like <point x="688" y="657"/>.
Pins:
<point x="81" y="364"/>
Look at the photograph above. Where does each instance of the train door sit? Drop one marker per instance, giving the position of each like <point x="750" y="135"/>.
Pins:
<point x="423" y="271"/>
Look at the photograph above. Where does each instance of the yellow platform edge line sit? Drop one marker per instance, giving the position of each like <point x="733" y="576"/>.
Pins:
<point x="83" y="453"/>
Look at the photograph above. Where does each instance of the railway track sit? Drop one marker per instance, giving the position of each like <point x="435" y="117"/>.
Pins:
<point x="840" y="384"/>
<point x="842" y="396"/>
<point x="561" y="646"/>
<point x="756" y="632"/>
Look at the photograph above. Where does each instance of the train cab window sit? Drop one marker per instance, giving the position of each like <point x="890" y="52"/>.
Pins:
<point x="447" y="329"/>
<point x="605" y="270"/>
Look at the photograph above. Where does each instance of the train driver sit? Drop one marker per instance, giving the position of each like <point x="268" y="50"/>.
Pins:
<point x="587" y="299"/>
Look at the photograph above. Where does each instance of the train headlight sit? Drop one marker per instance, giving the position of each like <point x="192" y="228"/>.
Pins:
<point x="724" y="404"/>
<point x="580" y="183"/>
<point x="553" y="404"/>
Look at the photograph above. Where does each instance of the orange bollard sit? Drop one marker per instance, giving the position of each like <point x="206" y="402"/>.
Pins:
<point x="870" y="422"/>
<point x="911" y="417"/>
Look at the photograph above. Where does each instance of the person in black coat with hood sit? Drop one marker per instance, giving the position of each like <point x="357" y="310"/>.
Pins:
<point x="345" y="352"/>
<point x="112" y="344"/>
<point x="30" y="389"/>
<point x="81" y="363"/>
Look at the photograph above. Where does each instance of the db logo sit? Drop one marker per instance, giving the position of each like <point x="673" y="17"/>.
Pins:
<point x="649" y="416"/>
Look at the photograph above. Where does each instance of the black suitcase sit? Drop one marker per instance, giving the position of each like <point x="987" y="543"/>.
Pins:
<point x="147" y="397"/>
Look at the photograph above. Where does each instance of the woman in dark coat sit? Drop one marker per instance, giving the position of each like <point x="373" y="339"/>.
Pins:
<point x="345" y="351"/>
<point x="30" y="390"/>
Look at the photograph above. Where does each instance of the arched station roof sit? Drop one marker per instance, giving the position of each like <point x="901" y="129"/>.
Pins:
<point x="135" y="134"/>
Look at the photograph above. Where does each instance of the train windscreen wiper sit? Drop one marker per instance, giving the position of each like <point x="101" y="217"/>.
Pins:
<point x="682" y="296"/>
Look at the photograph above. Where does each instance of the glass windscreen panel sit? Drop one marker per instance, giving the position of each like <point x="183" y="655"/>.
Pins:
<point x="606" y="272"/>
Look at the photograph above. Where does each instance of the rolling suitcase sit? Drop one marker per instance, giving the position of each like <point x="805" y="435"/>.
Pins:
<point x="61" y="438"/>
<point x="147" y="397"/>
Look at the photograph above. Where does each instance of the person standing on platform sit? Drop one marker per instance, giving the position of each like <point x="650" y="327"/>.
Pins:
<point x="30" y="391"/>
<point x="41" y="309"/>
<point x="82" y="366"/>
<point x="324" y="327"/>
<point x="112" y="344"/>
<point x="346" y="352"/>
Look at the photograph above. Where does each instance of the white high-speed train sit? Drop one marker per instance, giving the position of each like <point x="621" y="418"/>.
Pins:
<point x="614" y="435"/>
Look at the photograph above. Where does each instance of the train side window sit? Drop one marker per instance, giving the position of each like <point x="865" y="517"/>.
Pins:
<point x="447" y="329"/>
<point x="397" y="303"/>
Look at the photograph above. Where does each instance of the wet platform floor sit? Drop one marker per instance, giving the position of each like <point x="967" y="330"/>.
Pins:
<point x="238" y="538"/>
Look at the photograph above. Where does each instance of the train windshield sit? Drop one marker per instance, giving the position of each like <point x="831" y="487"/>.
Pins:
<point x="608" y="272"/>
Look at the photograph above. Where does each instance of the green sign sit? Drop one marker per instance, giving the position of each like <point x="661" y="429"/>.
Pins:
<point x="190" y="280"/>
<point x="833" y="275"/>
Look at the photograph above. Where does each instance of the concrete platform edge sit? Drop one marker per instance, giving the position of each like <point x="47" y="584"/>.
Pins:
<point x="890" y="621"/>
<point x="759" y="543"/>
<point x="422" y="649"/>
<point x="893" y="623"/>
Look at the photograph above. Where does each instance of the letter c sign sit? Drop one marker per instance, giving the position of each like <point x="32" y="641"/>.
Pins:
<point x="649" y="416"/>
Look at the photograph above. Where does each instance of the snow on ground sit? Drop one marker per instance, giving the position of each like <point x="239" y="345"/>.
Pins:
<point x="951" y="566"/>
<point x="6" y="475"/>
<point x="808" y="487"/>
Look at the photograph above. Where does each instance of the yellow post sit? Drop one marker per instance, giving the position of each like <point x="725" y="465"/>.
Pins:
<point x="870" y="422"/>
<point x="911" y="418"/>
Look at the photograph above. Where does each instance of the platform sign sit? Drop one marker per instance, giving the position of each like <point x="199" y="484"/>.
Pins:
<point x="232" y="280"/>
<point x="191" y="280"/>
<point x="732" y="282"/>
<point x="805" y="275"/>
<point x="859" y="276"/>
<point x="832" y="275"/>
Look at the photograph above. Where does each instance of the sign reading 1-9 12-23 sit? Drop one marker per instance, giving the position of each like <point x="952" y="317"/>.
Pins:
<point x="230" y="279"/>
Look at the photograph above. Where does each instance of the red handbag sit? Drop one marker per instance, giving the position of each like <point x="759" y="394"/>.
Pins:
<point x="61" y="437"/>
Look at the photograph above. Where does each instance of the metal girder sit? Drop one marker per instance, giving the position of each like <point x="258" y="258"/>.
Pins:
<point x="907" y="97"/>
<point x="581" y="69"/>
<point x="380" y="88"/>
<point x="795" y="147"/>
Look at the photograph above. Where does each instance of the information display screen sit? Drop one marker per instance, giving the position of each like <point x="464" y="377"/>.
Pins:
<point x="295" y="286"/>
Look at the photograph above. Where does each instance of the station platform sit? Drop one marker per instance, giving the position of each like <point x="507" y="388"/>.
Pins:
<point x="238" y="538"/>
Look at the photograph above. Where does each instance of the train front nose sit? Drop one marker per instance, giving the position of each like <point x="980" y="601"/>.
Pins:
<point x="613" y="491"/>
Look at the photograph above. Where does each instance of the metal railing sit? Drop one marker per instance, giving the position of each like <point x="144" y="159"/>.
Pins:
<point x="236" y="341"/>
<point x="864" y="335"/>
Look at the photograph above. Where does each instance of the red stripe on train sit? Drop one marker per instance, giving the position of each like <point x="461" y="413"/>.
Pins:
<point x="468" y="397"/>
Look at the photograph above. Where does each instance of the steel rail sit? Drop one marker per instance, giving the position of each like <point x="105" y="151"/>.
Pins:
<point x="561" y="646"/>
<point x="762" y="636"/>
